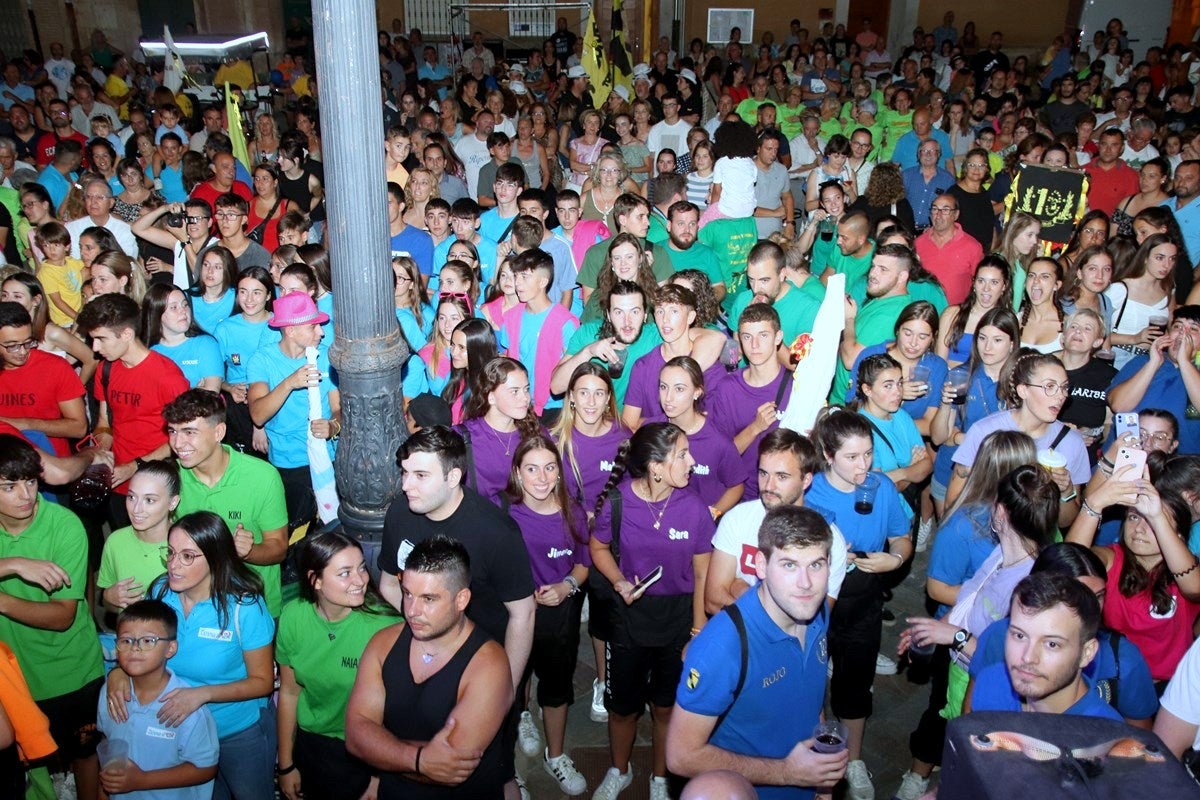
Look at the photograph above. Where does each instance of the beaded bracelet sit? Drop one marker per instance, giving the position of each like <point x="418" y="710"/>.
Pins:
<point x="1189" y="570"/>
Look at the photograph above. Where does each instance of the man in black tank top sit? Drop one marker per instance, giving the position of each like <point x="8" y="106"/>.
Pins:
<point x="432" y="692"/>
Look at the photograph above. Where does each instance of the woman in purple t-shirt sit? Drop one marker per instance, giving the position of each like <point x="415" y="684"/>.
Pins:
<point x="665" y="529"/>
<point x="498" y="416"/>
<point x="555" y="532"/>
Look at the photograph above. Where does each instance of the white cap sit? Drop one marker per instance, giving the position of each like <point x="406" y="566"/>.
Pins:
<point x="577" y="71"/>
<point x="641" y="70"/>
<point x="622" y="92"/>
<point x="688" y="75"/>
<point x="517" y="87"/>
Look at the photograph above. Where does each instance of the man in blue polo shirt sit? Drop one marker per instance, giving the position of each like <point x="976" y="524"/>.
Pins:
<point x="1051" y="638"/>
<point x="716" y="726"/>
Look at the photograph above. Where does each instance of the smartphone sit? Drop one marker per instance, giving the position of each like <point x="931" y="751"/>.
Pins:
<point x="860" y="554"/>
<point x="1130" y="462"/>
<point x="1127" y="425"/>
<point x="648" y="581"/>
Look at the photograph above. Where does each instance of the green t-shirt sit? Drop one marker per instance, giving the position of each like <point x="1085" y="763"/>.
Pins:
<point x="855" y="270"/>
<point x="895" y="125"/>
<point x="748" y="109"/>
<point x="250" y="493"/>
<point x="54" y="662"/>
<point x="797" y="311"/>
<point x="657" y="234"/>
<point x="875" y="324"/>
<point x="127" y="556"/>
<point x="791" y="128"/>
<point x="731" y="240"/>
<point x="930" y="292"/>
<point x="324" y="655"/>
<point x="814" y="288"/>
<point x="699" y="256"/>
<point x="648" y="340"/>
<point x="876" y="136"/>
<point x="830" y="127"/>
<point x="593" y="262"/>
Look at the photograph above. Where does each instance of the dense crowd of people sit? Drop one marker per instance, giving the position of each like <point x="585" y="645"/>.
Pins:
<point x="609" y="297"/>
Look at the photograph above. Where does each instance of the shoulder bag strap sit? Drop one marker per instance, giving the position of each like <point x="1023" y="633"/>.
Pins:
<point x="1062" y="434"/>
<point x="615" y="507"/>
<point x="886" y="441"/>
<point x="735" y="616"/>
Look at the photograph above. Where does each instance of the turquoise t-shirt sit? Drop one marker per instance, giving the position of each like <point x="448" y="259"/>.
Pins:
<point x="198" y="357"/>
<point x="287" y="431"/>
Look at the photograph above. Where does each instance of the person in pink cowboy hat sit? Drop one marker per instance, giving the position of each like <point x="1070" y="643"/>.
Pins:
<point x="279" y="376"/>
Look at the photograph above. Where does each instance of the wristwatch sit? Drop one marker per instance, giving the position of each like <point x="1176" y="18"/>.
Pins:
<point x="961" y="637"/>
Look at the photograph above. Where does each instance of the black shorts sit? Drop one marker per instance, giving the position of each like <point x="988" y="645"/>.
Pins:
<point x="643" y="663"/>
<point x="855" y="634"/>
<point x="73" y="721"/>
<point x="602" y="606"/>
<point x="555" y="652"/>
<point x="334" y="774"/>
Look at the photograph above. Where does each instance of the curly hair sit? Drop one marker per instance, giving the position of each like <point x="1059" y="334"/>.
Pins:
<point x="707" y="307"/>
<point x="886" y="185"/>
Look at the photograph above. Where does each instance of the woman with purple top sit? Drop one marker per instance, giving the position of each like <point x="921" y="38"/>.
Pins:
<point x="496" y="420"/>
<point x="589" y="434"/>
<point x="675" y="317"/>
<point x="716" y="477"/>
<point x="555" y="530"/>
<point x="647" y="520"/>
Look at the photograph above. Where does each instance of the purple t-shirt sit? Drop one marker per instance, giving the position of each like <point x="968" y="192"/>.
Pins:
<point x="492" y="452"/>
<point x="1071" y="446"/>
<point x="593" y="457"/>
<point x="733" y="407"/>
<point x="686" y="530"/>
<point x="643" y="384"/>
<point x="718" y="464"/>
<point x="553" y="549"/>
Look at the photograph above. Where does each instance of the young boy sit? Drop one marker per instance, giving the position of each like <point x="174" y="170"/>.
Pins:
<point x="396" y="150"/>
<point x="499" y="146"/>
<point x="168" y="122"/>
<point x="437" y="220"/>
<point x="102" y="129"/>
<point x="538" y="329"/>
<point x="61" y="275"/>
<point x="293" y="229"/>
<point x="464" y="221"/>
<point x="176" y="762"/>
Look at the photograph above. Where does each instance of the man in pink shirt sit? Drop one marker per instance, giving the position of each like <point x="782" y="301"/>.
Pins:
<point x="948" y="251"/>
<point x="1109" y="177"/>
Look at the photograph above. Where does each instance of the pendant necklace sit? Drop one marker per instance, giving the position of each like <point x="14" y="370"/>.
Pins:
<point x="325" y="621"/>
<point x="659" y="516"/>
<point x="500" y="439"/>
<point x="427" y="657"/>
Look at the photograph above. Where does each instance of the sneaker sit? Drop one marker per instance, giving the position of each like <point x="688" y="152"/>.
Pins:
<point x="889" y="618"/>
<point x="528" y="738"/>
<point x="924" y="531"/>
<point x="613" y="784"/>
<point x="912" y="786"/>
<point x="859" y="780"/>
<point x="884" y="665"/>
<point x="586" y="614"/>
<point x="658" y="788"/>
<point x="562" y="769"/>
<point x="522" y="788"/>
<point x="598" y="713"/>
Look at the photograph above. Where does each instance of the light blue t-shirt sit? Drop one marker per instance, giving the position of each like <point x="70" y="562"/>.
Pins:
<point x="198" y="357"/>
<point x="239" y="341"/>
<point x="867" y="532"/>
<point x="287" y="431"/>
<point x="172" y="184"/>
<point x="153" y="745"/>
<point x="209" y="315"/>
<point x="211" y="654"/>
<point x="493" y="226"/>
<point x="531" y="331"/>
<point x="441" y="254"/>
<point x="900" y="435"/>
<point x="414" y="381"/>
<point x="416" y="333"/>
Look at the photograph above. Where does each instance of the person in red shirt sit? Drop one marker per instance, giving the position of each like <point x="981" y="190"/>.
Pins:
<point x="224" y="180"/>
<point x="132" y="389"/>
<point x="60" y="118"/>
<point x="1110" y="179"/>
<point x="948" y="251"/>
<point x="39" y="392"/>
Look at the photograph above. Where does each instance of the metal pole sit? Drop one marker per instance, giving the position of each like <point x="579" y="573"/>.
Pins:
<point x="369" y="350"/>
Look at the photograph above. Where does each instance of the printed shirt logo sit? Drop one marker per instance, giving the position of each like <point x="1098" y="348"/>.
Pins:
<point x="676" y="535"/>
<point x="693" y="679"/>
<point x="402" y="553"/>
<point x="823" y="650"/>
<point x="1168" y="614"/>
<point x="556" y="553"/>
<point x="159" y="733"/>
<point x="700" y="469"/>
<point x="215" y="634"/>
<point x="746" y="565"/>
<point x="236" y="358"/>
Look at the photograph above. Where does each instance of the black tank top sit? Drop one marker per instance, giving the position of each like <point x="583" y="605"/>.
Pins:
<point x="417" y="711"/>
<point x="296" y="190"/>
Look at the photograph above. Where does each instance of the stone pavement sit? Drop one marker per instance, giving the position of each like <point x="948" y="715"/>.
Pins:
<point x="898" y="706"/>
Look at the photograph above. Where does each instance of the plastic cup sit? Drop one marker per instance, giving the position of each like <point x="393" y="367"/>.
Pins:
<point x="1159" y="321"/>
<point x="959" y="379"/>
<point x="616" y="370"/>
<point x="920" y="374"/>
<point x="864" y="495"/>
<point x="1051" y="459"/>
<point x="112" y="753"/>
<point x="830" y="737"/>
<point x="920" y="652"/>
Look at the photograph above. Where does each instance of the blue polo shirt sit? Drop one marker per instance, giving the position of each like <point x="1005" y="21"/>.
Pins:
<point x="920" y="193"/>
<point x="153" y="745"/>
<point x="1166" y="391"/>
<point x="994" y="692"/>
<point x="1188" y="218"/>
<point x="889" y="516"/>
<point x="781" y="673"/>
<point x="199" y="357"/>
<point x="418" y="244"/>
<point x="211" y="654"/>
<point x="1136" y="698"/>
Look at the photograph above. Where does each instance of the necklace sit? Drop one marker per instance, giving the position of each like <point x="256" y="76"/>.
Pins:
<point x="501" y="440"/>
<point x="327" y="624"/>
<point x="658" y="518"/>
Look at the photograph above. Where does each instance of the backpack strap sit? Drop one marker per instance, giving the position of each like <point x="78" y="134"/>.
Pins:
<point x="472" y="477"/>
<point x="1114" y="641"/>
<point x="105" y="376"/>
<point x="785" y="378"/>
<point x="1062" y="434"/>
<point x="739" y="623"/>
<point x="886" y="441"/>
<point x="1121" y="310"/>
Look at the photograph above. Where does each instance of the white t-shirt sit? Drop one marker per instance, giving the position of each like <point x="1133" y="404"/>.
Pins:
<point x="1182" y="697"/>
<point x="736" y="177"/>
<point x="60" y="72"/>
<point x="737" y="535"/>
<point x="803" y="154"/>
<point x="474" y="154"/>
<point x="664" y="136"/>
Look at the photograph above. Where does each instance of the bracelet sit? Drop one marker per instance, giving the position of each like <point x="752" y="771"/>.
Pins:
<point x="280" y="772"/>
<point x="337" y="432"/>
<point x="572" y="583"/>
<point x="1091" y="512"/>
<point x="899" y="557"/>
<point x="694" y="632"/>
<point x="1189" y="570"/>
<point x="1104" y="460"/>
<point x="417" y="764"/>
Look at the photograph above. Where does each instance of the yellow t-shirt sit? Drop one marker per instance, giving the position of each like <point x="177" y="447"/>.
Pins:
<point x="67" y="280"/>
<point x="114" y="87"/>
<point x="239" y="73"/>
<point x="399" y="176"/>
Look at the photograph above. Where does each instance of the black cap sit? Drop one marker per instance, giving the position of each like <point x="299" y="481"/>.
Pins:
<point x="428" y="410"/>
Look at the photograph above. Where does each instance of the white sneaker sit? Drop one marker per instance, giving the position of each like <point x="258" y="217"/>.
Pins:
<point x="912" y="786"/>
<point x="859" y="780"/>
<point x="884" y="665"/>
<point x="924" y="531"/>
<point x="598" y="713"/>
<point x="562" y="769"/>
<point x="528" y="738"/>
<point x="522" y="788"/>
<point x="586" y="614"/>
<point x="613" y="784"/>
<point x="658" y="788"/>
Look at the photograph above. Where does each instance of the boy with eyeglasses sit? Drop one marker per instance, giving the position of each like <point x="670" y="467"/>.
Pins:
<point x="176" y="762"/>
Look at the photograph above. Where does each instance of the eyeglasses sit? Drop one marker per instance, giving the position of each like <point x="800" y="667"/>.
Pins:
<point x="1158" y="438"/>
<point x="942" y="210"/>
<point x="1051" y="388"/>
<point x="20" y="347"/>
<point x="186" y="557"/>
<point x="127" y="643"/>
<point x="977" y="165"/>
<point x="195" y="220"/>
<point x="228" y="216"/>
<point x="609" y="171"/>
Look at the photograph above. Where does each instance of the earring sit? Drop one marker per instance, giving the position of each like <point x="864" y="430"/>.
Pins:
<point x="658" y="478"/>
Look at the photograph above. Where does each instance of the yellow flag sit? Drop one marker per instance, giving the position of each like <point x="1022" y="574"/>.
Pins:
<point x="236" y="135"/>
<point x="595" y="61"/>
<point x="622" y="59"/>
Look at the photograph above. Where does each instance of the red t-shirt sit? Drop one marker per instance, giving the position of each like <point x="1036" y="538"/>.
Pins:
<point x="208" y="193"/>
<point x="1106" y="187"/>
<point x="953" y="264"/>
<point x="135" y="400"/>
<point x="48" y="143"/>
<point x="35" y="390"/>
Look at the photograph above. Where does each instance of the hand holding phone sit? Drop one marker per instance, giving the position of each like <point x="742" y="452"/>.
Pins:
<point x="645" y="583"/>
<point x="1128" y="429"/>
<point x="1130" y="463"/>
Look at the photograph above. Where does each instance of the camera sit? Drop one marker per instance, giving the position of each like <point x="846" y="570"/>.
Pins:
<point x="176" y="220"/>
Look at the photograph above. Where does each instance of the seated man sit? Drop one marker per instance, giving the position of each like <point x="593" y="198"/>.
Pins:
<point x="1051" y="638"/>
